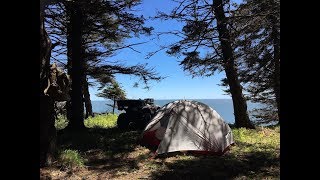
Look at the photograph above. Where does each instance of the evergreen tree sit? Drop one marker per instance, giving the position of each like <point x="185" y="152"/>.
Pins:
<point x="104" y="26"/>
<point x="257" y="33"/>
<point x="113" y="92"/>
<point x="207" y="26"/>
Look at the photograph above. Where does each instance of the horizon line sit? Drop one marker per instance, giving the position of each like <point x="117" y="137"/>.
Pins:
<point x="177" y="99"/>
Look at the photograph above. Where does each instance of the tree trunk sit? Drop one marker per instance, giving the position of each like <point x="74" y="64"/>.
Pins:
<point x="87" y="100"/>
<point x="114" y="104"/>
<point x="47" y="131"/>
<point x="45" y="51"/>
<point x="47" y="118"/>
<point x="239" y="102"/>
<point x="69" y="54"/>
<point x="69" y="45"/>
<point x="276" y="61"/>
<point x="76" y="121"/>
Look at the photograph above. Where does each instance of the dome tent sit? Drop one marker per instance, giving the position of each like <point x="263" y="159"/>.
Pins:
<point x="187" y="126"/>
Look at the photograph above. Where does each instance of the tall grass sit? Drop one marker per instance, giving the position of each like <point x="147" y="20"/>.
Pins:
<point x="98" y="121"/>
<point x="263" y="139"/>
<point x="101" y="121"/>
<point x="71" y="159"/>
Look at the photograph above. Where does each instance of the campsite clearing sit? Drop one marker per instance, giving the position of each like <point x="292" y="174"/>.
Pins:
<point x="111" y="154"/>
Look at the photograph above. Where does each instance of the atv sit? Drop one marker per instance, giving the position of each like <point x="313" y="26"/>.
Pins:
<point x="137" y="114"/>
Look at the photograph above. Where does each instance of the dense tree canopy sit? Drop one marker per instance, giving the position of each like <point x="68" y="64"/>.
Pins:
<point x="106" y="24"/>
<point x="102" y="28"/>
<point x="257" y="33"/>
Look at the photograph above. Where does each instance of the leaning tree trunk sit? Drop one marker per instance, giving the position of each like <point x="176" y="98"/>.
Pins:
<point x="47" y="118"/>
<point x="76" y="121"/>
<point x="114" y="104"/>
<point x="239" y="102"/>
<point x="276" y="61"/>
<point x="87" y="100"/>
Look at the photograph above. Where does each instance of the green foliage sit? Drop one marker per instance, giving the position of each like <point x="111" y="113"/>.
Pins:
<point x="98" y="121"/>
<point x="113" y="91"/>
<point x="71" y="159"/>
<point x="101" y="121"/>
<point x="106" y="25"/>
<point x="199" y="47"/>
<point x="61" y="122"/>
<point x="257" y="44"/>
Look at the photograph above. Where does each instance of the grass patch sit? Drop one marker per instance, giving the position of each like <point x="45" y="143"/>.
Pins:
<point x="263" y="139"/>
<point x="98" y="121"/>
<point x="71" y="159"/>
<point x="101" y="121"/>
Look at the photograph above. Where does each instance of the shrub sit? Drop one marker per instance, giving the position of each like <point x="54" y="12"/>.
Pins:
<point x="71" y="159"/>
<point x="61" y="122"/>
<point x="101" y="121"/>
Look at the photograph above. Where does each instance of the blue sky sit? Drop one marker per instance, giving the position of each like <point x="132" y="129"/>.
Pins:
<point x="178" y="84"/>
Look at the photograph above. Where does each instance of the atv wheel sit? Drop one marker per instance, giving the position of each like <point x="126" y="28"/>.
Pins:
<point x="122" y="121"/>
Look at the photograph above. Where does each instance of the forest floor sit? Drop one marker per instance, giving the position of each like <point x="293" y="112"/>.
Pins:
<point x="105" y="152"/>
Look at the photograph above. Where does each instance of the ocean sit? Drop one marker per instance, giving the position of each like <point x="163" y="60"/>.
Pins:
<point x="223" y="106"/>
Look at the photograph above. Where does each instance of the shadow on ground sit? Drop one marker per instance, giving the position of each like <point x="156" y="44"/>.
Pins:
<point x="256" y="165"/>
<point x="112" y="151"/>
<point x="104" y="149"/>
